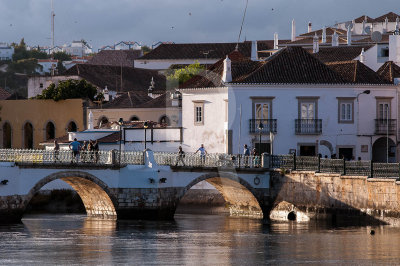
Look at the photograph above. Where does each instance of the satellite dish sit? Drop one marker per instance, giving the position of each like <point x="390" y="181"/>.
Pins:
<point x="347" y="24"/>
<point x="376" y="36"/>
<point x="367" y="30"/>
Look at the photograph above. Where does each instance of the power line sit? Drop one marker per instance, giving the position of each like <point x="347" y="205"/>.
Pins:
<point x="241" y="26"/>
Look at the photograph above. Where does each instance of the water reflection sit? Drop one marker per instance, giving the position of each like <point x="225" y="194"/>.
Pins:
<point x="192" y="239"/>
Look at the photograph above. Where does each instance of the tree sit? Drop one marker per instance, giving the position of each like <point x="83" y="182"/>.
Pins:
<point x="180" y="76"/>
<point x="69" y="89"/>
<point x="61" y="56"/>
<point x="145" y="49"/>
<point x="25" y="66"/>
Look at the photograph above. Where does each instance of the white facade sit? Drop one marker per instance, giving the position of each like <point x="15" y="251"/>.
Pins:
<point x="47" y="65"/>
<point x="77" y="48"/>
<point x="6" y="51"/>
<point x="355" y="133"/>
<point x="37" y="84"/>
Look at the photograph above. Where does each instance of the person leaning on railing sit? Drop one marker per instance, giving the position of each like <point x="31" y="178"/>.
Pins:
<point x="203" y="153"/>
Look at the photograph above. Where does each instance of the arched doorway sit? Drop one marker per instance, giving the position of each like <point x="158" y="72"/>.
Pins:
<point x="28" y="136"/>
<point x="239" y="195"/>
<point x="164" y="120"/>
<point x="7" y="136"/>
<point x="383" y="153"/>
<point x="50" y="131"/>
<point x="94" y="193"/>
<point x="72" y="127"/>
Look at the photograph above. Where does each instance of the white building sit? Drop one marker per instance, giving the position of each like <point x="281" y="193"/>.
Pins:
<point x="304" y="106"/>
<point x="78" y="48"/>
<point x="364" y="25"/>
<point x="47" y="65"/>
<point x="6" y="51"/>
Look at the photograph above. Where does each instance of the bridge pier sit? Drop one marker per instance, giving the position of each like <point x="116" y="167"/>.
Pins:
<point x="12" y="208"/>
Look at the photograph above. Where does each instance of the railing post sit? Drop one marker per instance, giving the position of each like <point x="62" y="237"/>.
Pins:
<point x="372" y="169"/>
<point x="319" y="163"/>
<point x="294" y="161"/>
<point x="344" y="166"/>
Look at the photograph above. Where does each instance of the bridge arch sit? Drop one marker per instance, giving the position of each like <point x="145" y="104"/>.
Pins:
<point x="241" y="197"/>
<point x="95" y="194"/>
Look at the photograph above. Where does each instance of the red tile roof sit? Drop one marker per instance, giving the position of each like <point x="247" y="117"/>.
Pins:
<point x="133" y="79"/>
<point x="130" y="99"/>
<point x="115" y="58"/>
<point x="362" y="18"/>
<point x="391" y="17"/>
<point x="329" y="31"/>
<point x="356" y="72"/>
<point x="205" y="50"/>
<point x="385" y="39"/>
<point x="389" y="71"/>
<point x="339" y="53"/>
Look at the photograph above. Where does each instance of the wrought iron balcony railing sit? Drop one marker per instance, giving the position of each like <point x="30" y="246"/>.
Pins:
<point x="269" y="125"/>
<point x="385" y="126"/>
<point x="308" y="126"/>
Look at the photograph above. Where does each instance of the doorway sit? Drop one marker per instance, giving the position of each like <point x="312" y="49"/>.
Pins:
<point x="265" y="147"/>
<point x="346" y="153"/>
<point x="308" y="150"/>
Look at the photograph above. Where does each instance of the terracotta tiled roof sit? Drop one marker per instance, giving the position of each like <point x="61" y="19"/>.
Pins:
<point x="199" y="50"/>
<point x="362" y="18"/>
<point x="212" y="77"/>
<point x="130" y="99"/>
<point x="161" y="101"/>
<point x="112" y="138"/>
<point x="4" y="95"/>
<point x="389" y="71"/>
<point x="385" y="39"/>
<point x="292" y="65"/>
<point x="310" y="40"/>
<point x="329" y="31"/>
<point x="391" y="17"/>
<point x="133" y="79"/>
<point x="339" y="53"/>
<point x="356" y="72"/>
<point x="115" y="57"/>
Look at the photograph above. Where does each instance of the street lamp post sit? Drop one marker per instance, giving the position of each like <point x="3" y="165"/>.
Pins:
<point x="358" y="115"/>
<point x="260" y="128"/>
<point x="145" y="126"/>
<point x="120" y="122"/>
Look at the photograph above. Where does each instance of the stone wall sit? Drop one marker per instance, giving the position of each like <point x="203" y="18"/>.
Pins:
<point x="322" y="195"/>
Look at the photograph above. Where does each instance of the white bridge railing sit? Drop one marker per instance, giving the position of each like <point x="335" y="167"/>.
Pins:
<point x="114" y="157"/>
<point x="67" y="157"/>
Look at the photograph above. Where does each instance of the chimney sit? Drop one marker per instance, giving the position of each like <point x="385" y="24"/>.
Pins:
<point x="397" y="24"/>
<point x="315" y="44"/>
<point x="254" y="51"/>
<point x="90" y="120"/>
<point x="106" y="95"/>
<point x="363" y="28"/>
<point x="151" y="87"/>
<point x="276" y="41"/>
<point x="323" y="35"/>
<point x="293" y="30"/>
<point x="353" y="23"/>
<point x="335" y="39"/>
<point x="362" y="56"/>
<point x="349" y="35"/>
<point x="309" y="27"/>
<point x="227" y="73"/>
<point x="394" y="48"/>
<point x="385" y="28"/>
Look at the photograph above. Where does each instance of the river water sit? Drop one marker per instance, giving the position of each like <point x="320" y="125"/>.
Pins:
<point x="192" y="240"/>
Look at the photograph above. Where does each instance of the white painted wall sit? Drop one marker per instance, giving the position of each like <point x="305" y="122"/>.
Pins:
<point x="212" y="133"/>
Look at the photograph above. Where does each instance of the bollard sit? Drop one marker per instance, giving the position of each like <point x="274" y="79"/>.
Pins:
<point x="372" y="169"/>
<point x="344" y="166"/>
<point x="294" y="161"/>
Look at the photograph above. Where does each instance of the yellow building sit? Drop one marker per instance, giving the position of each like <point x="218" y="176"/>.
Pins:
<point x="26" y="123"/>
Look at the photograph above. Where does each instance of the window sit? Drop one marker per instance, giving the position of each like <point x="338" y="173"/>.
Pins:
<point x="7" y="136"/>
<point x="50" y="131"/>
<point x="134" y="118"/>
<point x="383" y="110"/>
<point x="72" y="127"/>
<point x="28" y="136"/>
<point x="41" y="85"/>
<point x="164" y="120"/>
<point x="262" y="110"/>
<point x="198" y="112"/>
<point x="346" y="110"/>
<point x="308" y="107"/>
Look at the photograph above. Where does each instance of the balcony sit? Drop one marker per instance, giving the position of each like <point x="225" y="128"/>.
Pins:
<point x="385" y="126"/>
<point x="269" y="125"/>
<point x="308" y="126"/>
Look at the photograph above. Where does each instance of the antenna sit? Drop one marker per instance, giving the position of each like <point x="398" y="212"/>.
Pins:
<point x="52" y="37"/>
<point x="241" y="26"/>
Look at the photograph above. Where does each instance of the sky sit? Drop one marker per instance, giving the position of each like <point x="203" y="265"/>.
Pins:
<point x="147" y="22"/>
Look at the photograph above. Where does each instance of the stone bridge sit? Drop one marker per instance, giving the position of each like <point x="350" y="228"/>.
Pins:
<point x="148" y="191"/>
<point x="153" y="191"/>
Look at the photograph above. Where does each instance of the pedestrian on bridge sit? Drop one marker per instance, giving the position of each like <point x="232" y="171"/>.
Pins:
<point x="203" y="153"/>
<point x="75" y="146"/>
<point x="56" y="150"/>
<point x="246" y="153"/>
<point x="181" y="156"/>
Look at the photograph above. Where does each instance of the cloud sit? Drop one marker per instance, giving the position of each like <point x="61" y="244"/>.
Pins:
<point x="107" y="22"/>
